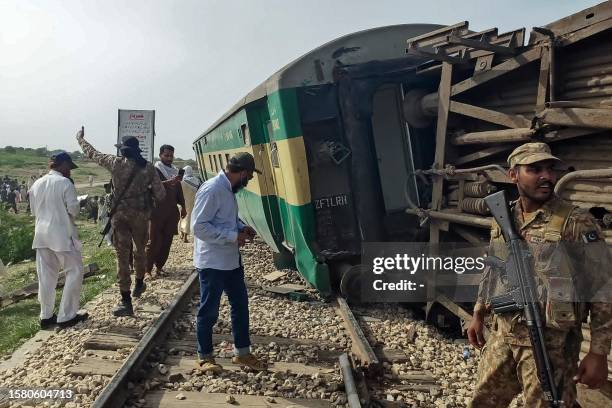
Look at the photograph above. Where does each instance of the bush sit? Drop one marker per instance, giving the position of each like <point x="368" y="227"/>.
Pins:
<point x="16" y="236"/>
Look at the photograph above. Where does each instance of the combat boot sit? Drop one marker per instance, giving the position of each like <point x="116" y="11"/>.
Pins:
<point x="139" y="288"/>
<point x="125" y="307"/>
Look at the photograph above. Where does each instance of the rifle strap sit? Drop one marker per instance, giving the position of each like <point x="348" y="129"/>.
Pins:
<point x="125" y="189"/>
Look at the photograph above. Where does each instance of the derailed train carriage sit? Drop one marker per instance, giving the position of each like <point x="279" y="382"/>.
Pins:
<point x="397" y="134"/>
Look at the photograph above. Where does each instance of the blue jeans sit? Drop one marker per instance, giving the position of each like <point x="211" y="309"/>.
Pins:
<point x="213" y="282"/>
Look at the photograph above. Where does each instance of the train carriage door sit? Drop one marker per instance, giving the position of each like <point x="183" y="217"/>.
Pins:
<point x="266" y="182"/>
<point x="279" y="184"/>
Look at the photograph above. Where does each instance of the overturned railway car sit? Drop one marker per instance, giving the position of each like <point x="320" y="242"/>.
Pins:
<point x="397" y="133"/>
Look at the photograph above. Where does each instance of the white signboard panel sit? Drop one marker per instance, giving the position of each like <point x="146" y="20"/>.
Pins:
<point x="140" y="124"/>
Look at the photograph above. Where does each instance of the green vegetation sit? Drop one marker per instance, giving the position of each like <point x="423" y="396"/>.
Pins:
<point x="21" y="320"/>
<point x="16" y="235"/>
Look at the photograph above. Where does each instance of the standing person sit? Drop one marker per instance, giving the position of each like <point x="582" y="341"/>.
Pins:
<point x="93" y="209"/>
<point x="567" y="245"/>
<point x="91" y="181"/>
<point x="190" y="185"/>
<point x="11" y="198"/>
<point x="24" y="195"/>
<point x="165" y="218"/>
<point x="3" y="194"/>
<point x="134" y="181"/>
<point x="55" y="206"/>
<point x="218" y="235"/>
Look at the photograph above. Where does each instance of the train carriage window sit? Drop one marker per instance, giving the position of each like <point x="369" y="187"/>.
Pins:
<point x="274" y="155"/>
<point x="227" y="157"/>
<point x="216" y="165"/>
<point x="221" y="161"/>
<point x="211" y="163"/>
<point x="246" y="134"/>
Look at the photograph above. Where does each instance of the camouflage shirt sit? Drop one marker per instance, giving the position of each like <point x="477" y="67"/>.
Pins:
<point x="587" y="252"/>
<point x="144" y="180"/>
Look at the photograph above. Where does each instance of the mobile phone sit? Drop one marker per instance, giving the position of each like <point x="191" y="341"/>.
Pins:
<point x="181" y="173"/>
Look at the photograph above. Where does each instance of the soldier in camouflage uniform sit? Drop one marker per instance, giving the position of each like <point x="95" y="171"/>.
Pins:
<point x="131" y="218"/>
<point x="570" y="255"/>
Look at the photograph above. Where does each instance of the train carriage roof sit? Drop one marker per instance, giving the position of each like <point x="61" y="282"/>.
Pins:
<point x="316" y="67"/>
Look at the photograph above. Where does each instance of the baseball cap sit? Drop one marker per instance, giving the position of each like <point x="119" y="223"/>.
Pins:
<point x="62" y="157"/>
<point x="244" y="161"/>
<point x="530" y="153"/>
<point x="129" y="141"/>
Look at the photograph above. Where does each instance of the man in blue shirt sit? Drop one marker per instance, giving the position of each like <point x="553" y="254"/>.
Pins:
<point x="218" y="235"/>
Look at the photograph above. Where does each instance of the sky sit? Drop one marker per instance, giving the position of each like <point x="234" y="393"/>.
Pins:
<point x="69" y="63"/>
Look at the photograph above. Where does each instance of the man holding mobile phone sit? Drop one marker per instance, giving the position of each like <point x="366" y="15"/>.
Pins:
<point x="219" y="234"/>
<point x="165" y="218"/>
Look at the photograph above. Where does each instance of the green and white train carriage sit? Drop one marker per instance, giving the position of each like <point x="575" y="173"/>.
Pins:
<point x="325" y="188"/>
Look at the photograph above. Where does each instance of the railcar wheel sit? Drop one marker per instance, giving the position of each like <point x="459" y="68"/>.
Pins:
<point x="350" y="284"/>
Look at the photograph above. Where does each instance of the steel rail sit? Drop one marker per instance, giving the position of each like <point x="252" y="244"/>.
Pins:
<point x="116" y="392"/>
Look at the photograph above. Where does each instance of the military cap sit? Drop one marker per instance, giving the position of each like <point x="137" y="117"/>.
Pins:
<point x="244" y="161"/>
<point x="129" y="142"/>
<point x="530" y="153"/>
<point x="62" y="157"/>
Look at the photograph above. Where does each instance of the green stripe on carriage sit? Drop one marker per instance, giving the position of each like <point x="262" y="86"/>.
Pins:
<point x="294" y="224"/>
<point x="284" y="114"/>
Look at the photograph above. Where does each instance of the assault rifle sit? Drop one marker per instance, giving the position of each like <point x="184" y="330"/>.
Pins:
<point x="522" y="292"/>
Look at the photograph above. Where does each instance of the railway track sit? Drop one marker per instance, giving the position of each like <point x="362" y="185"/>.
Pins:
<point x="319" y="353"/>
<point x="160" y="370"/>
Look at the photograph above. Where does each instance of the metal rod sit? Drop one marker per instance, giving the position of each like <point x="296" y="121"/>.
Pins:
<point x="571" y="104"/>
<point x="472" y="220"/>
<point x="494" y="136"/>
<point x="349" y="382"/>
<point x="582" y="174"/>
<point x="450" y="170"/>
<point x="577" y="117"/>
<point x="600" y="198"/>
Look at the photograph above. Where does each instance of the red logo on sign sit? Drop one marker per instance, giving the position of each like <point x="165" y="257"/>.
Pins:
<point x="136" y="116"/>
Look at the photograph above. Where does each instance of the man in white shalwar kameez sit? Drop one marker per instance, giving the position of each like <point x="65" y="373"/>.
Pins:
<point x="54" y="203"/>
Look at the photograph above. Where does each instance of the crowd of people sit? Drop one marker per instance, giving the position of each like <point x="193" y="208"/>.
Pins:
<point x="141" y="207"/>
<point x="13" y="192"/>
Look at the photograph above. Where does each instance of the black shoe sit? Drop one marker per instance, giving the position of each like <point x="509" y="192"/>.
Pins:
<point x="76" y="319"/>
<point x="125" y="307"/>
<point x="139" y="288"/>
<point x="48" y="323"/>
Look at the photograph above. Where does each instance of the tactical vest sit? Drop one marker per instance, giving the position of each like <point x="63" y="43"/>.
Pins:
<point x="553" y="268"/>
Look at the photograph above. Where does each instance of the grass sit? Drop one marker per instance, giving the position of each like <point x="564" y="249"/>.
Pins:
<point x="25" y="163"/>
<point x="21" y="319"/>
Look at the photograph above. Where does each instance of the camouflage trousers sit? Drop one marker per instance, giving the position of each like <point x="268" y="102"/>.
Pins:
<point x="507" y="367"/>
<point x="130" y="227"/>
